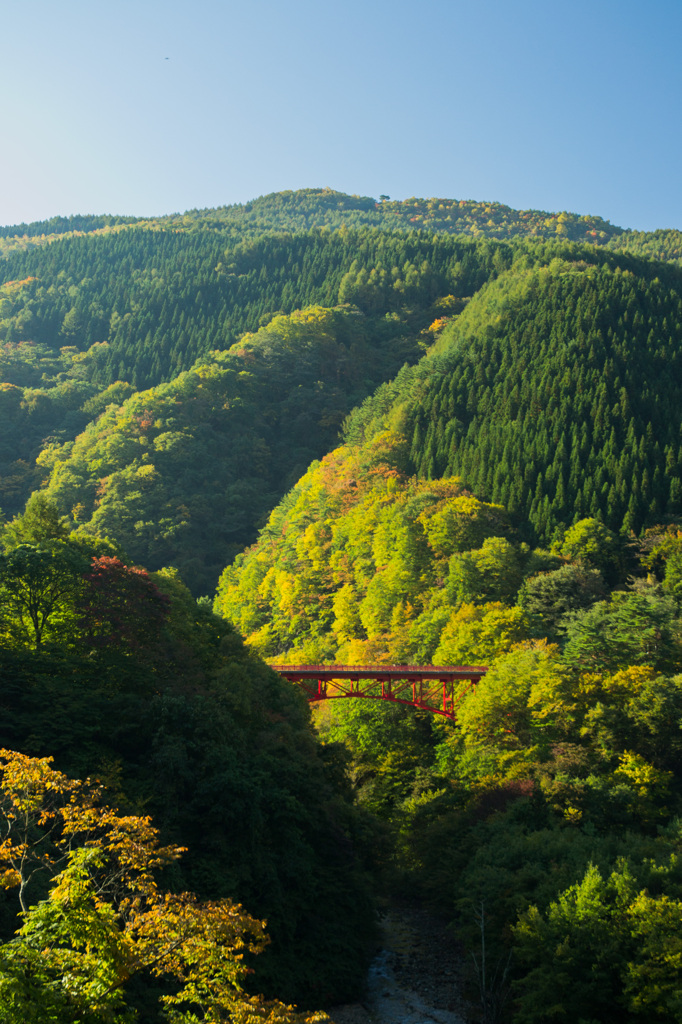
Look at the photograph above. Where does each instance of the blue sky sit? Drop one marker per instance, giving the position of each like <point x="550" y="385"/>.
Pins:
<point x="550" y="105"/>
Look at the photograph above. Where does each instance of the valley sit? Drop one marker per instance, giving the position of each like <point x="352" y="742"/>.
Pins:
<point x="318" y="430"/>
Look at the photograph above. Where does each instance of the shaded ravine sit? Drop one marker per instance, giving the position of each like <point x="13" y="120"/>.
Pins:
<point x="415" y="978"/>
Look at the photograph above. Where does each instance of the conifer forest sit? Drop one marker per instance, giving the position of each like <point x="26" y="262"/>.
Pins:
<point x="322" y="429"/>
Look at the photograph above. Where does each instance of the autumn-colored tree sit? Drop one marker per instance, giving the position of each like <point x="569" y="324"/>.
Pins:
<point x="94" y="917"/>
<point x="121" y="605"/>
<point x="477" y="634"/>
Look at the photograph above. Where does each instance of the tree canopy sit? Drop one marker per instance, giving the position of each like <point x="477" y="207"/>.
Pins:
<point x="94" y="916"/>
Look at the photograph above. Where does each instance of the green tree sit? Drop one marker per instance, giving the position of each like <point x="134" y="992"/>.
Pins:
<point x="104" y="918"/>
<point x="40" y="522"/>
<point x="606" y="950"/>
<point x="548" y="597"/>
<point x="591" y="544"/>
<point x="572" y="957"/>
<point x="520" y="702"/>
<point x="636" y="628"/>
<point x="39" y="589"/>
<point x="491" y="573"/>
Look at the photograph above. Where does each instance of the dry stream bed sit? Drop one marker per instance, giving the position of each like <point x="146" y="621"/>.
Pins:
<point x="415" y="978"/>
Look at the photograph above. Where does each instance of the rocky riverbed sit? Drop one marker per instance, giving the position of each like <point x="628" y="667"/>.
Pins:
<point x="415" y="978"/>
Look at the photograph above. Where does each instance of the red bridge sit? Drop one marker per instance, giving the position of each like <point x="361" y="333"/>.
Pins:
<point x="435" y="688"/>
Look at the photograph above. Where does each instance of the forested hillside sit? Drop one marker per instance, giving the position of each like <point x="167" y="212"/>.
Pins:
<point x="513" y="500"/>
<point x="160" y="299"/>
<point x="556" y="393"/>
<point x="120" y="675"/>
<point x="137" y="309"/>
<point x="114" y="300"/>
<point x="544" y="822"/>
<point x="182" y="474"/>
<point x="427" y="431"/>
<point x="305" y="209"/>
<point x="257" y="412"/>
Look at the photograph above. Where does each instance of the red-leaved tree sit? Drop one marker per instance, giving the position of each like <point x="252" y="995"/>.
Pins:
<point x="121" y="606"/>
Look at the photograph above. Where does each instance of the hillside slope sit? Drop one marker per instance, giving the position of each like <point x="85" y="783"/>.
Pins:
<point x="119" y="308"/>
<point x="139" y="309"/>
<point x="554" y="397"/>
<point x="544" y="821"/>
<point x="555" y="393"/>
<point x="307" y="208"/>
<point x="184" y="473"/>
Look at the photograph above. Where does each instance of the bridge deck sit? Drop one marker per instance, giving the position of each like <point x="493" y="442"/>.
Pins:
<point x="379" y="672"/>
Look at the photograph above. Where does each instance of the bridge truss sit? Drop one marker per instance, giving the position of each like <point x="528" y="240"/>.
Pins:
<point x="434" y="688"/>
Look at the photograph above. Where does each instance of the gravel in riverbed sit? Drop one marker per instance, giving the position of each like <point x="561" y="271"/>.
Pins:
<point x="414" y="979"/>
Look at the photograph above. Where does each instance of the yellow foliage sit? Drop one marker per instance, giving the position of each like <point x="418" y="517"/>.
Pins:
<point x="620" y="686"/>
<point x="113" y="920"/>
<point x="647" y="779"/>
<point x="478" y="634"/>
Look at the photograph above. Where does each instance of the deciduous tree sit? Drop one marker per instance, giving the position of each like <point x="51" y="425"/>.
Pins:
<point x="103" y="918"/>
